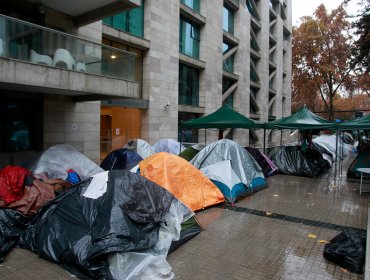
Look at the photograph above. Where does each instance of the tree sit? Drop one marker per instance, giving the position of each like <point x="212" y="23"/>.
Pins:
<point x="362" y="31"/>
<point x="321" y="58"/>
<point x="361" y="46"/>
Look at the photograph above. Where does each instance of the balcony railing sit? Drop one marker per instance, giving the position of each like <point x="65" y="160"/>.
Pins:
<point x="25" y="41"/>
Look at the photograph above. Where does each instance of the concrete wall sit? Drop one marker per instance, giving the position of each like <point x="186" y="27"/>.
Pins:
<point x="161" y="67"/>
<point x="211" y="53"/>
<point x="73" y="123"/>
<point x="161" y="70"/>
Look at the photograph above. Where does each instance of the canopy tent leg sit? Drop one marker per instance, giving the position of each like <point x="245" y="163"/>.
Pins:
<point x="264" y="140"/>
<point x="205" y="136"/>
<point x="220" y="134"/>
<point x="336" y="154"/>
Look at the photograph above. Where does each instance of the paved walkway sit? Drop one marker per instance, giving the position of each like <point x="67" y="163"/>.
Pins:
<point x="278" y="233"/>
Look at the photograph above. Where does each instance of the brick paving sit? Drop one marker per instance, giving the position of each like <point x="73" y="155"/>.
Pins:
<point x="239" y="245"/>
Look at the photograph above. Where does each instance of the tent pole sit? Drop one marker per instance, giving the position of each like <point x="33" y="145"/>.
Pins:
<point x="205" y="136"/>
<point x="341" y="168"/>
<point x="264" y="141"/>
<point x="281" y="137"/>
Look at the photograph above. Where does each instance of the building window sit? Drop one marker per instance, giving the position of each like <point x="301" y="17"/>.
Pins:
<point x="188" y="85"/>
<point x="252" y="8"/>
<point x="189" y="38"/>
<point x="228" y="20"/>
<point x="20" y="125"/>
<point x="131" y="21"/>
<point x="117" y="68"/>
<point x="229" y="101"/>
<point x="193" y="4"/>
<point x="188" y="135"/>
<point x="253" y="70"/>
<point x="228" y="64"/>
<point x="226" y="84"/>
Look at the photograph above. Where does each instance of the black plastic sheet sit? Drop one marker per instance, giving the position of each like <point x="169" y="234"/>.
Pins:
<point x="348" y="250"/>
<point x="291" y="161"/>
<point x="79" y="232"/>
<point x="12" y="225"/>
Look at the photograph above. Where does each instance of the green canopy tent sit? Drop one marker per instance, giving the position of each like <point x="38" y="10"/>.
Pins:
<point x="357" y="124"/>
<point x="303" y="119"/>
<point x="223" y="118"/>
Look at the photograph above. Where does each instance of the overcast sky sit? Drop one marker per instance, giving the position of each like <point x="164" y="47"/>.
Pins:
<point x="302" y="8"/>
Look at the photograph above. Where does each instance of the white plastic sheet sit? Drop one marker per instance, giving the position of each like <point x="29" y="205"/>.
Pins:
<point x="169" y="145"/>
<point x="152" y="263"/>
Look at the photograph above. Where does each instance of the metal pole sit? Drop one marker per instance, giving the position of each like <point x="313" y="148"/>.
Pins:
<point x="336" y="153"/>
<point x="264" y="140"/>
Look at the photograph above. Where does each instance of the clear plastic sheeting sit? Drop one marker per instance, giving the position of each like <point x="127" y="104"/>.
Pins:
<point x="141" y="147"/>
<point x="151" y="263"/>
<point x="329" y="142"/>
<point x="55" y="162"/>
<point x="169" y="145"/>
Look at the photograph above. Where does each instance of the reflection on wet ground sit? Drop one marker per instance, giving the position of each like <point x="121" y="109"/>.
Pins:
<point x="277" y="233"/>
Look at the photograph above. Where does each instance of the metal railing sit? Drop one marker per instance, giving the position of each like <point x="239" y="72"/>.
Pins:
<point x="29" y="42"/>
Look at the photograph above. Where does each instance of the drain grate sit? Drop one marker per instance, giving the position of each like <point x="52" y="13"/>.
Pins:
<point x="287" y="218"/>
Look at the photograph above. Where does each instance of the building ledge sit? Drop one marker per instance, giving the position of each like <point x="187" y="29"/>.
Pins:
<point x="192" y="15"/>
<point x="30" y="77"/>
<point x="230" y="76"/>
<point x="84" y="12"/>
<point x="191" y="109"/>
<point x="255" y="54"/>
<point x="127" y="103"/>
<point x="255" y="85"/>
<point x="125" y="38"/>
<point x="192" y="62"/>
<point x="254" y="116"/>
<point x="231" y="39"/>
<point x="232" y="4"/>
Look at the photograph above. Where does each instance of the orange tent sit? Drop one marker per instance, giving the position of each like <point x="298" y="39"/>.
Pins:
<point x="183" y="180"/>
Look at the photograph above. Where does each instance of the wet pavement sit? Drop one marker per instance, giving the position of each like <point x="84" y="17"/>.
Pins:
<point x="277" y="233"/>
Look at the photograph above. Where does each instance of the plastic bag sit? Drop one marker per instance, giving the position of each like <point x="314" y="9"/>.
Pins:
<point x="348" y="250"/>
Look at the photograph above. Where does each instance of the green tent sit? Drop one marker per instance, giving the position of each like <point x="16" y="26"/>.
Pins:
<point x="223" y="118"/>
<point x="303" y="119"/>
<point x="357" y="124"/>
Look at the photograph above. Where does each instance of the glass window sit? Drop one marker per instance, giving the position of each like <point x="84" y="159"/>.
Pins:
<point x="228" y="20"/>
<point x="188" y="135"/>
<point x="20" y="125"/>
<point x="131" y="21"/>
<point x="254" y="44"/>
<point x="253" y="108"/>
<point x="228" y="64"/>
<point x="252" y="8"/>
<point x="188" y="85"/>
<point x="229" y="101"/>
<point x="138" y="63"/>
<point x="226" y="84"/>
<point x="189" y="38"/>
<point x="193" y="4"/>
